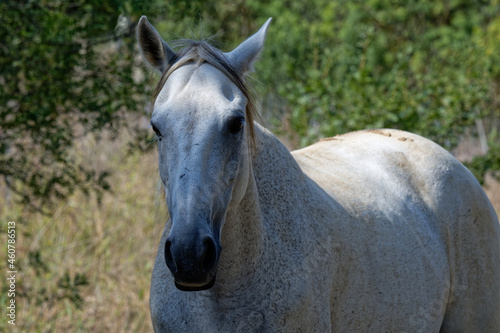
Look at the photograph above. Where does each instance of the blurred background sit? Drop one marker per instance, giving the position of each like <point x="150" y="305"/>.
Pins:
<point x="78" y="165"/>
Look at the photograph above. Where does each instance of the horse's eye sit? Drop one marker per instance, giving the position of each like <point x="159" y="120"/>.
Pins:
<point x="236" y="124"/>
<point x="157" y="131"/>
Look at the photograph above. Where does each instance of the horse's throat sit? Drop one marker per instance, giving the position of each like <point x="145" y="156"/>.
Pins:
<point x="242" y="239"/>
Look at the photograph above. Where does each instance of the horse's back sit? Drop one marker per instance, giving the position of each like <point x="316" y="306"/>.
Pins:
<point x="418" y="207"/>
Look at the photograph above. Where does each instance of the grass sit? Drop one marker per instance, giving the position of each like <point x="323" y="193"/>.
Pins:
<point x="492" y="189"/>
<point x="87" y="268"/>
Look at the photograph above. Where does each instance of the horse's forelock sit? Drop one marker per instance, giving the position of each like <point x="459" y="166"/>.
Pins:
<point x="200" y="52"/>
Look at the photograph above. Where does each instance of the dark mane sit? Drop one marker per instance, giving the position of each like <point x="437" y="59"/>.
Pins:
<point x="200" y="52"/>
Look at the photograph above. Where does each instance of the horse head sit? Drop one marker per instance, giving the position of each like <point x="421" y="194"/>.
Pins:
<point x="202" y="117"/>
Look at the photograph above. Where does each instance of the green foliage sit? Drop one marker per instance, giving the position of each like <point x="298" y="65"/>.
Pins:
<point x="430" y="67"/>
<point x="66" y="71"/>
<point x="490" y="162"/>
<point x="70" y="288"/>
<point x="36" y="262"/>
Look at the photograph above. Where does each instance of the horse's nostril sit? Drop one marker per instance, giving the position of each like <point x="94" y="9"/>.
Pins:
<point x="209" y="257"/>
<point x="169" y="259"/>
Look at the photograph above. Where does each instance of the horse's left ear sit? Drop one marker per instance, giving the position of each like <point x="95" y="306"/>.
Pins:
<point x="243" y="57"/>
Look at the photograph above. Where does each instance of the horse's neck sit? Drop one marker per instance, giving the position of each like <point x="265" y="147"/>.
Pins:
<point x="248" y="225"/>
<point x="242" y="239"/>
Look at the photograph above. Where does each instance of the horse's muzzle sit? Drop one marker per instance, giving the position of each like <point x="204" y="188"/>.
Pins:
<point x="193" y="263"/>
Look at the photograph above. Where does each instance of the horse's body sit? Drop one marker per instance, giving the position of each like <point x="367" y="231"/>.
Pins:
<point x="380" y="231"/>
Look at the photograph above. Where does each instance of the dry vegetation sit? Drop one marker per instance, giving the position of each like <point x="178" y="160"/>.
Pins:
<point x="465" y="151"/>
<point x="103" y="254"/>
<point x="108" y="250"/>
<point x="492" y="189"/>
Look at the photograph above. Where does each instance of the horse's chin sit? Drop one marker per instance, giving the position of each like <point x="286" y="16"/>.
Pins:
<point x="184" y="286"/>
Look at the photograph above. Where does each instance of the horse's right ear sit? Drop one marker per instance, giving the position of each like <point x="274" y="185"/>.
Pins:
<point x="153" y="48"/>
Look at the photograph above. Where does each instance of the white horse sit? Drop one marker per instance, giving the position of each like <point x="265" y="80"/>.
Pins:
<point x="371" y="231"/>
